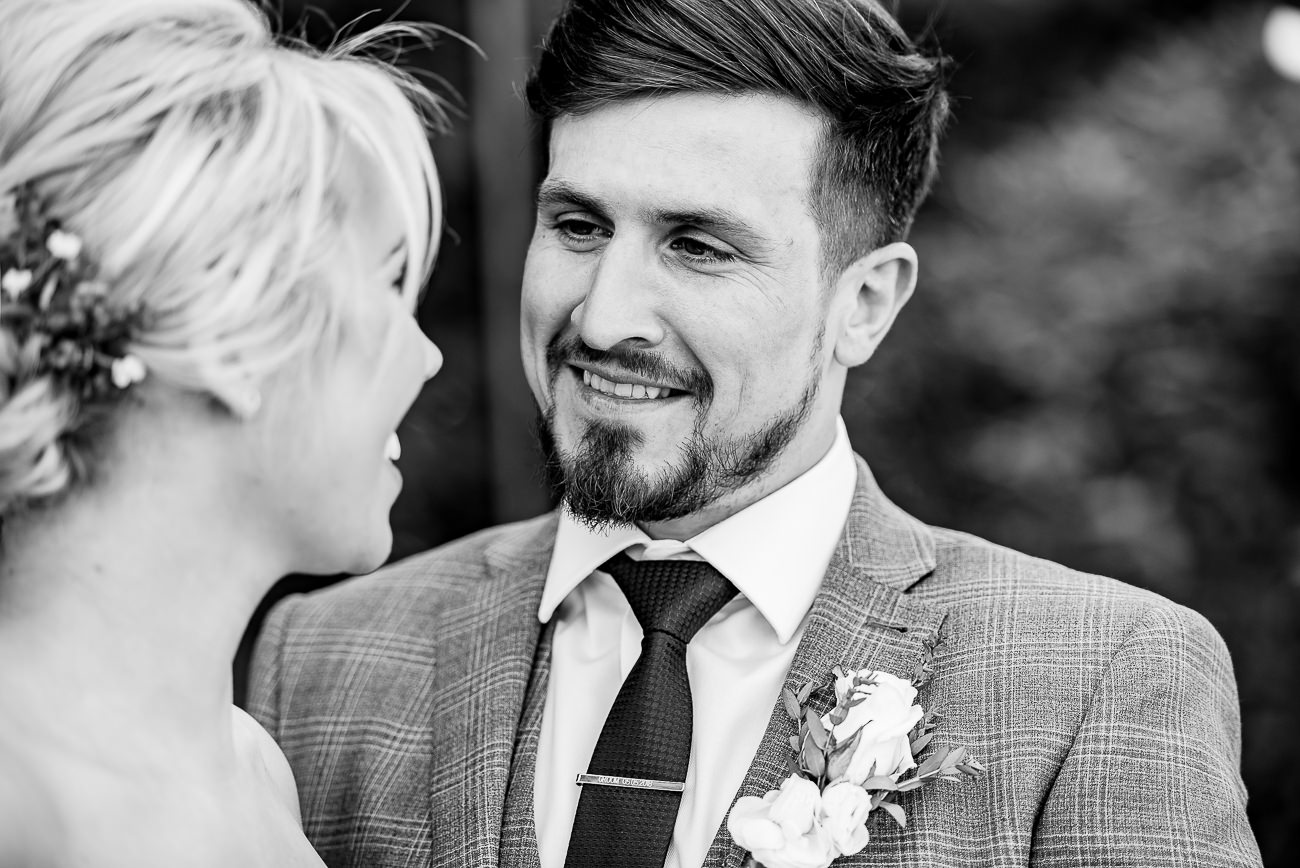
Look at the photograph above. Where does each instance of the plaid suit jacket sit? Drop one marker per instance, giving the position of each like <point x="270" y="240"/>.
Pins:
<point x="409" y="704"/>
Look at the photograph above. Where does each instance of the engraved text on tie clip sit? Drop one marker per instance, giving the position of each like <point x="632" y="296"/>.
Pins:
<point x="631" y="783"/>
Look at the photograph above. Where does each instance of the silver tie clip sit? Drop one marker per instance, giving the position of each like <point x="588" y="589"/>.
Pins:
<point x="630" y="783"/>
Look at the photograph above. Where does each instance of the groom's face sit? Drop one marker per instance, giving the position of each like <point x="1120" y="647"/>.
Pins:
<point x="675" y="306"/>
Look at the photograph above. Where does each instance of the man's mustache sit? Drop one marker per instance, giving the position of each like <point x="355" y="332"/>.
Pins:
<point x="644" y="363"/>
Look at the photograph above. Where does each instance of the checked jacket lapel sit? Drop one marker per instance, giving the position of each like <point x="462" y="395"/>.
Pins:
<point x="481" y="680"/>
<point x="861" y="619"/>
<point x="519" y="847"/>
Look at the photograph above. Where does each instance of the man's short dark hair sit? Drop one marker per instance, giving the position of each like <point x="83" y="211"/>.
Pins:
<point x="883" y="100"/>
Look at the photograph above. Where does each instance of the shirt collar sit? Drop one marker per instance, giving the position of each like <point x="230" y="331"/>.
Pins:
<point x="775" y="551"/>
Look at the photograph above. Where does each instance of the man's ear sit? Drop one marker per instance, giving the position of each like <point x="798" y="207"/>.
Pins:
<point x="869" y="294"/>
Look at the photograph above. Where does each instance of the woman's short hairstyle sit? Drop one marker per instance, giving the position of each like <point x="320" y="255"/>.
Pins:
<point x="883" y="100"/>
<point x="199" y="159"/>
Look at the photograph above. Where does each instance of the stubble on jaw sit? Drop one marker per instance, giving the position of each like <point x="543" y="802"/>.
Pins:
<point x="598" y="480"/>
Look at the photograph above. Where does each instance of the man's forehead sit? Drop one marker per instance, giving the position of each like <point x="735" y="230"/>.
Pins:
<point x="721" y="117"/>
<point x="685" y="154"/>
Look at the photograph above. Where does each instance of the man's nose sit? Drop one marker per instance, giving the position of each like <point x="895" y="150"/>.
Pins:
<point x="621" y="303"/>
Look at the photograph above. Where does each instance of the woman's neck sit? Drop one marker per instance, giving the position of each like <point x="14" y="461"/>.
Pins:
<point x="120" y="614"/>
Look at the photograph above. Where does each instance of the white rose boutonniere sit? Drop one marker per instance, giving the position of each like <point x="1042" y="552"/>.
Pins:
<point x="879" y="713"/>
<point x="845" y="808"/>
<point x="846" y="764"/>
<point x="784" y="829"/>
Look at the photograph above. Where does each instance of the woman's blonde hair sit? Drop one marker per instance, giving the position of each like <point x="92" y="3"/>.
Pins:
<point x="199" y="160"/>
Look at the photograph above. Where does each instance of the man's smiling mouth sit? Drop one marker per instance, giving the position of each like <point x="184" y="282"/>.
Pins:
<point x="633" y="391"/>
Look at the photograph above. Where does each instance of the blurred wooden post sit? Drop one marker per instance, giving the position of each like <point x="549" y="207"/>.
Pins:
<point x="504" y="179"/>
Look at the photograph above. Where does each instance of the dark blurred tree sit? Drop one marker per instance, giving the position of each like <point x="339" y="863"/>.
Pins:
<point x="1016" y="58"/>
<point x="1102" y="367"/>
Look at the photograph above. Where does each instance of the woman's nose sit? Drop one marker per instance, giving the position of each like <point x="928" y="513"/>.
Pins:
<point x="432" y="359"/>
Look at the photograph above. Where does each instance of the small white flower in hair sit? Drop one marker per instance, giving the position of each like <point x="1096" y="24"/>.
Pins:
<point x="64" y="245"/>
<point x="127" y="371"/>
<point x="15" y="282"/>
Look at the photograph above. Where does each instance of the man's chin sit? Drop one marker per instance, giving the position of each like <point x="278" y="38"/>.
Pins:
<point x="612" y="473"/>
<point x="637" y="455"/>
<point x="603" y="481"/>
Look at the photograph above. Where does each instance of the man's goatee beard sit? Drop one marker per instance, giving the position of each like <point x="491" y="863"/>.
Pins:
<point x="600" y="484"/>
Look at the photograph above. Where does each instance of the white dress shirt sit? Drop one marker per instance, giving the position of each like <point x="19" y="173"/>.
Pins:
<point x="775" y="552"/>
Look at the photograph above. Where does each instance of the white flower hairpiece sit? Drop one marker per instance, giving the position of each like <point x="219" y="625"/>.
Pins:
<point x="60" y="315"/>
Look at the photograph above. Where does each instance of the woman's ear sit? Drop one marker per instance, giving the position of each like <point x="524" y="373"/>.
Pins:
<point x="238" y="393"/>
<point x="241" y="400"/>
<point x="871" y="292"/>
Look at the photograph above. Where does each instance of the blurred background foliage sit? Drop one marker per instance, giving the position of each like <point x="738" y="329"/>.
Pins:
<point x="1102" y="363"/>
<point x="1100" y="366"/>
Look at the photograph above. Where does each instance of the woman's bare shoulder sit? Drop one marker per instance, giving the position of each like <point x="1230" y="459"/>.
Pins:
<point x="257" y="748"/>
<point x="32" y="833"/>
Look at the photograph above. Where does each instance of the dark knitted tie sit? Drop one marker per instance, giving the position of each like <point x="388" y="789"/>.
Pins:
<point x="647" y="736"/>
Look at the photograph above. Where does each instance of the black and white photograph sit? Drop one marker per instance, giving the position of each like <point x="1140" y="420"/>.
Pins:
<point x="649" y="433"/>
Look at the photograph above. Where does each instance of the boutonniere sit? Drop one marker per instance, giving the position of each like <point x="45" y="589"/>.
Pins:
<point x="844" y="766"/>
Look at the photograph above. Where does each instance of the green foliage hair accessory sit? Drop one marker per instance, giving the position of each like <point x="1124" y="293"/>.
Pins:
<point x="58" y="313"/>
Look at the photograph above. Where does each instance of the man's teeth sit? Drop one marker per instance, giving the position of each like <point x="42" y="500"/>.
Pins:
<point x="624" y="390"/>
<point x="393" y="448"/>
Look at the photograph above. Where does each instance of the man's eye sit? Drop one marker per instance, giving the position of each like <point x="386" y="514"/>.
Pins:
<point x="579" y="229"/>
<point x="696" y="249"/>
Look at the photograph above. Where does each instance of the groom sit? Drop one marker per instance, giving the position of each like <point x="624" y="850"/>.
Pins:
<point x="719" y="240"/>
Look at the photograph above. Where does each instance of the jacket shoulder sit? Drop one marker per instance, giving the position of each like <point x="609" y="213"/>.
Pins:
<point x="1054" y="678"/>
<point x="1032" y="607"/>
<point x="972" y="569"/>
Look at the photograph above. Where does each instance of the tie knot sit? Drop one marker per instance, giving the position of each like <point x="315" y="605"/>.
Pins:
<point x="676" y="597"/>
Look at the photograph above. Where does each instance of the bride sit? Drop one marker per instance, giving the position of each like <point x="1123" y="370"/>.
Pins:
<point x="210" y="248"/>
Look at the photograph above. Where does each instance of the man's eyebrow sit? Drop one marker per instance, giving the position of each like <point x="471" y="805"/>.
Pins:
<point x="719" y="221"/>
<point x="557" y="194"/>
<point x="553" y="194"/>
